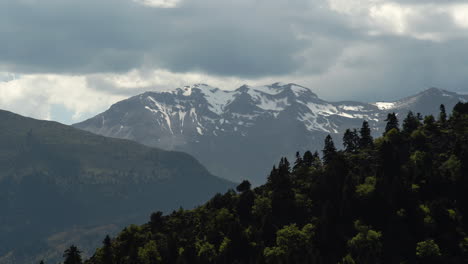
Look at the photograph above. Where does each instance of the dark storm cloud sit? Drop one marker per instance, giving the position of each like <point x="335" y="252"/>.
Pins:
<point x="243" y="38"/>
<point x="66" y="36"/>
<point x="398" y="67"/>
<point x="115" y="36"/>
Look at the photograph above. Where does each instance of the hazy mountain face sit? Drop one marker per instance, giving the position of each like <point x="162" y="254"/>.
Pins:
<point x="60" y="185"/>
<point x="240" y="134"/>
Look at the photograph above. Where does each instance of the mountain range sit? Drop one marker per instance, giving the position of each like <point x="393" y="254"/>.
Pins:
<point x="239" y="134"/>
<point x="400" y="198"/>
<point x="60" y="185"/>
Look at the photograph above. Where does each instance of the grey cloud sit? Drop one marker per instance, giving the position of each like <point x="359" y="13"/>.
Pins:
<point x="400" y="67"/>
<point x="101" y="85"/>
<point x="436" y="2"/>
<point x="115" y="36"/>
<point x="244" y="38"/>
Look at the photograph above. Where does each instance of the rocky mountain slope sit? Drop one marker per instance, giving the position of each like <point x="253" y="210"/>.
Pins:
<point x="239" y="134"/>
<point x="60" y="185"/>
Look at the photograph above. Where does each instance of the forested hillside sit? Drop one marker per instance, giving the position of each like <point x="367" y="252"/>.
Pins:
<point x="61" y="185"/>
<point x="400" y="198"/>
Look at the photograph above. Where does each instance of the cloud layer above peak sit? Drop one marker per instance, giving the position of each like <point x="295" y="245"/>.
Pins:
<point x="343" y="49"/>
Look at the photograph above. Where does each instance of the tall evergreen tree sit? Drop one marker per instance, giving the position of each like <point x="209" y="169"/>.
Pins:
<point x="311" y="160"/>
<point x="351" y="141"/>
<point x="284" y="166"/>
<point x="366" y="140"/>
<point x="442" y="114"/>
<point x="308" y="159"/>
<point x="72" y="256"/>
<point x="392" y="123"/>
<point x="273" y="179"/>
<point x="107" y="255"/>
<point x="282" y="196"/>
<point x="246" y="201"/>
<point x="316" y="161"/>
<point x="410" y="123"/>
<point x="329" y="150"/>
<point x="299" y="162"/>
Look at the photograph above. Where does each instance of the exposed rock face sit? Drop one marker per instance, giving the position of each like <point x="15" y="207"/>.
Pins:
<point x="240" y="134"/>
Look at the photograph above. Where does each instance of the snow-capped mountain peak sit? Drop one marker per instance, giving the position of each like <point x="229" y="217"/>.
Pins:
<point x="201" y="110"/>
<point x="186" y="114"/>
<point x="218" y="126"/>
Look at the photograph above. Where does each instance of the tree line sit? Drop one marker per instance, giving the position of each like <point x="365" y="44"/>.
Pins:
<point x="399" y="198"/>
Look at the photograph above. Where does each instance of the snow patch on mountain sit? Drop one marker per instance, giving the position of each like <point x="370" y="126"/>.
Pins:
<point x="219" y="126"/>
<point x="267" y="101"/>
<point x="385" y="105"/>
<point x="201" y="110"/>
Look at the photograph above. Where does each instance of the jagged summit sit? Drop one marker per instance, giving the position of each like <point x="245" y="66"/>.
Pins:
<point x="272" y="89"/>
<point x="200" y="106"/>
<point x="221" y="126"/>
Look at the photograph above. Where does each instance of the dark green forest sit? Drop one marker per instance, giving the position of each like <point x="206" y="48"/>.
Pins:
<point x="399" y="198"/>
<point x="56" y="179"/>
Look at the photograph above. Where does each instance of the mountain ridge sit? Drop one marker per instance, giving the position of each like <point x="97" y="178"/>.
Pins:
<point x="398" y="198"/>
<point x="56" y="179"/>
<point x="200" y="119"/>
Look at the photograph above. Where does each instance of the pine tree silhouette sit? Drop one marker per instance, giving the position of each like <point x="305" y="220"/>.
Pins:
<point x="72" y="255"/>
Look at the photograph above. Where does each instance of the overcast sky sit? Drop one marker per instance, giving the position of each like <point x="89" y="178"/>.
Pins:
<point x="68" y="60"/>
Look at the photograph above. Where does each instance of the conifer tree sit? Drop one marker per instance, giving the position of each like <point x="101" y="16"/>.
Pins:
<point x="442" y="115"/>
<point x="246" y="201"/>
<point x="366" y="140"/>
<point x="299" y="162"/>
<point x="392" y="123"/>
<point x="351" y="141"/>
<point x="72" y="256"/>
<point x="411" y="123"/>
<point x="107" y="251"/>
<point x="316" y="161"/>
<point x="273" y="177"/>
<point x="329" y="150"/>
<point x="311" y="160"/>
<point x="308" y="159"/>
<point x="284" y="166"/>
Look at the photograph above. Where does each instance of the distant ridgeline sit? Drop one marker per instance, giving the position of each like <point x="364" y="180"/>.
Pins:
<point x="400" y="198"/>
